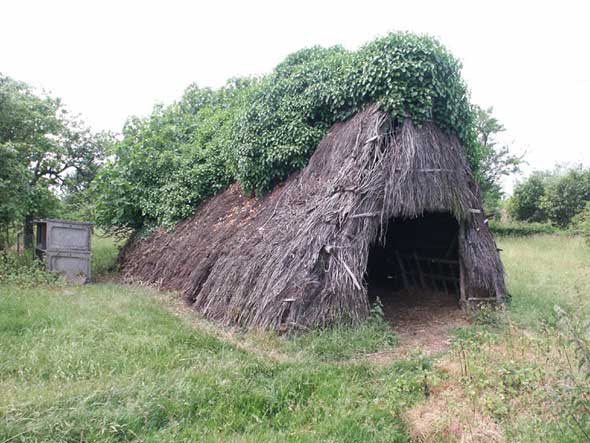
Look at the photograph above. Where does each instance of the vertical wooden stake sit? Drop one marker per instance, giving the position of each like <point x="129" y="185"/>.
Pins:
<point x="462" y="276"/>
<point x="420" y="274"/>
<point x="403" y="269"/>
<point x="444" y="281"/>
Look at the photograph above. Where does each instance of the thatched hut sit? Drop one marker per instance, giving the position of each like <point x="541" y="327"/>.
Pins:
<point x="375" y="201"/>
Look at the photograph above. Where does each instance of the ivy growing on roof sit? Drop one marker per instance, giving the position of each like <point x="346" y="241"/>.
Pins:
<point x="257" y="131"/>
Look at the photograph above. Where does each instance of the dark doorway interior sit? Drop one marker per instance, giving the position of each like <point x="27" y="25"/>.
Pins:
<point x="417" y="265"/>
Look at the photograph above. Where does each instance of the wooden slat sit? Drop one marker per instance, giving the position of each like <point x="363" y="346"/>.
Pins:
<point x="430" y="259"/>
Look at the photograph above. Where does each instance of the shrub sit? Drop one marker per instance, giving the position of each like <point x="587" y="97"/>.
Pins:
<point x="23" y="270"/>
<point x="521" y="229"/>
<point x="169" y="162"/>
<point x="407" y="75"/>
<point x="571" y="397"/>
<point x="581" y="223"/>
<point x="525" y="203"/>
<point x="566" y="195"/>
<point x="556" y="196"/>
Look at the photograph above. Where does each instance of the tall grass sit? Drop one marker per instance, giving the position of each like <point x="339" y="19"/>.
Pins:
<point x="107" y="363"/>
<point x="543" y="271"/>
<point x="104" y="255"/>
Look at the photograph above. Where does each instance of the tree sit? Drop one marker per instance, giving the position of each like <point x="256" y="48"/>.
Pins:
<point x="557" y="196"/>
<point x="46" y="151"/>
<point x="566" y="195"/>
<point x="496" y="161"/>
<point x="525" y="203"/>
<point x="13" y="185"/>
<point x="90" y="150"/>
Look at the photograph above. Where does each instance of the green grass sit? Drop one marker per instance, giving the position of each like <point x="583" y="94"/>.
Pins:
<point x="343" y="342"/>
<point x="104" y="255"/>
<point x="109" y="363"/>
<point x="545" y="270"/>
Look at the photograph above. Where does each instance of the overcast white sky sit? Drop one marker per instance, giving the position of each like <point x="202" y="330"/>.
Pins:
<point x="112" y="59"/>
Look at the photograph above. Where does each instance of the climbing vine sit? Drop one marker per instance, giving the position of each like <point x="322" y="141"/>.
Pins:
<point x="257" y="131"/>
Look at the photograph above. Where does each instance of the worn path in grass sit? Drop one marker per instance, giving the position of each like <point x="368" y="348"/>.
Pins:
<point x="508" y="378"/>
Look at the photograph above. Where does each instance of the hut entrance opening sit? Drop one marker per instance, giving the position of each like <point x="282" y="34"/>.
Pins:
<point x="416" y="271"/>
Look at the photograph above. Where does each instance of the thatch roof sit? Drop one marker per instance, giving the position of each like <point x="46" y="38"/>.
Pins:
<point x="298" y="256"/>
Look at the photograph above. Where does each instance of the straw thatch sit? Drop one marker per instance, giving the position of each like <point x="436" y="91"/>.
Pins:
<point x="297" y="257"/>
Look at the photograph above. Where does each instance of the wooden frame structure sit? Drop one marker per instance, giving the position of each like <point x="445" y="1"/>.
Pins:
<point x="442" y="274"/>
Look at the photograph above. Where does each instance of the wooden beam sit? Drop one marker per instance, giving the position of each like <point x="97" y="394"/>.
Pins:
<point x="432" y="259"/>
<point x="365" y="214"/>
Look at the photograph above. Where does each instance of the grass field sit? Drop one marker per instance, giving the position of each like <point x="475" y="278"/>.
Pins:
<point x="107" y="362"/>
<point x="104" y="255"/>
<point x="543" y="271"/>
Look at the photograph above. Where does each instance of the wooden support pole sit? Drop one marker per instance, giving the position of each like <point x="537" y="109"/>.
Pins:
<point x="420" y="274"/>
<point x="451" y="247"/>
<point x="444" y="281"/>
<point x="462" y="276"/>
<point x="403" y="269"/>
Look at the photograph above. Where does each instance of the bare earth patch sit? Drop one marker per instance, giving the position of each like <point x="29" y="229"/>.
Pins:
<point x="422" y="320"/>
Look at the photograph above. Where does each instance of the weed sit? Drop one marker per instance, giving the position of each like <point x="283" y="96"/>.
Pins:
<point x="23" y="270"/>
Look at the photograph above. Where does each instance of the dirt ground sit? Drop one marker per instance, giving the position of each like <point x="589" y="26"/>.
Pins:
<point x="422" y="319"/>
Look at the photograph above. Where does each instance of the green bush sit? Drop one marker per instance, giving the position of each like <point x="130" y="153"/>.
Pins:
<point x="169" y="162"/>
<point x="571" y="397"/>
<point x="258" y="131"/>
<point x="566" y="195"/>
<point x="556" y="197"/>
<point x="521" y="229"/>
<point x="525" y="203"/>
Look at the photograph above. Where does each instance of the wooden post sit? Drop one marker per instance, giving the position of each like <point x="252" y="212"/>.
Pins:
<point x="403" y="269"/>
<point x="444" y="281"/>
<point x="500" y="296"/>
<point x="420" y="274"/>
<point x="462" y="276"/>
